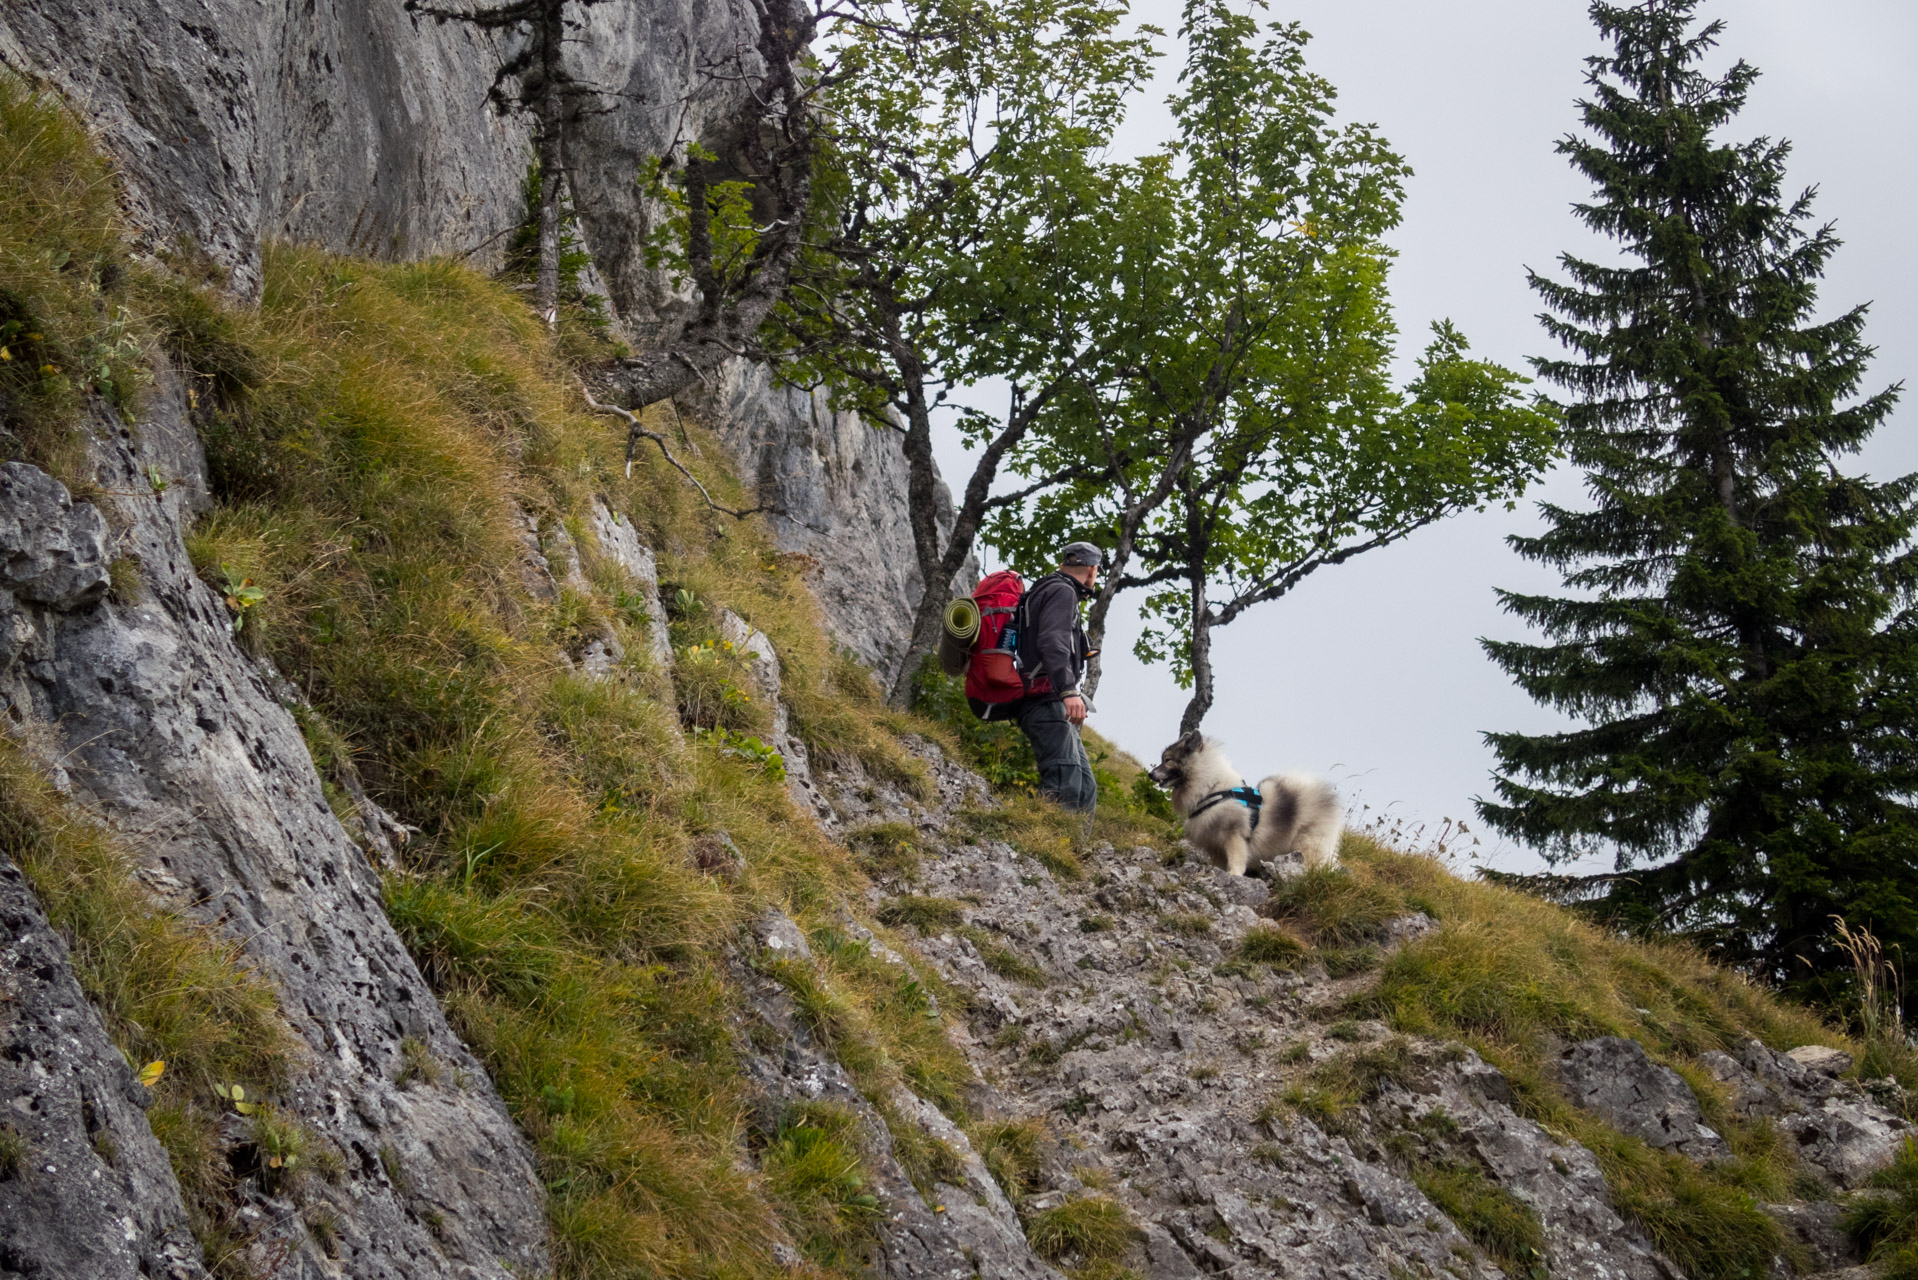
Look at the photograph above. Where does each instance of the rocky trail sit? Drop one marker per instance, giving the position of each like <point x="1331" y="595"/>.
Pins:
<point x="1119" y="1008"/>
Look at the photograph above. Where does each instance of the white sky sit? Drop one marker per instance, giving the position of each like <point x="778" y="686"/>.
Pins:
<point x="1370" y="672"/>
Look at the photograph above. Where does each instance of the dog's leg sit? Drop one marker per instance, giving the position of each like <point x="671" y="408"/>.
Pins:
<point x="1238" y="852"/>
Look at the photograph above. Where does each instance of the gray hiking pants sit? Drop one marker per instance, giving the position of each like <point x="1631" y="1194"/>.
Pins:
<point x="1065" y="774"/>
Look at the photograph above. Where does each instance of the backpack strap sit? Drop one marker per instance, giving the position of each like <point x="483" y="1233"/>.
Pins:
<point x="1248" y="796"/>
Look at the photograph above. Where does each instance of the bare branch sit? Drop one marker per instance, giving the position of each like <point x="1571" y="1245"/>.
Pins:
<point x="635" y="432"/>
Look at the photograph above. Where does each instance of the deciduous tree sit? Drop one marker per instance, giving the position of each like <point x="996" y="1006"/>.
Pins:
<point x="1243" y="429"/>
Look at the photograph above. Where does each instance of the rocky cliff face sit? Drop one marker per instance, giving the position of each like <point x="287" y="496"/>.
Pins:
<point x="149" y="715"/>
<point x="368" y="129"/>
<point x="834" y="489"/>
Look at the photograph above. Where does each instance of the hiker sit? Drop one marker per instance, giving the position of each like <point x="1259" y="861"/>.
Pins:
<point x="1052" y="653"/>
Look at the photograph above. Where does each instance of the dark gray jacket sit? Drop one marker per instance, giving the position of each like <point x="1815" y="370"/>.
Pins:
<point x="1052" y="640"/>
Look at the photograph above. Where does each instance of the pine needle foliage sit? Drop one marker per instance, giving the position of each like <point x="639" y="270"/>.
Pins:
<point x="1737" y="634"/>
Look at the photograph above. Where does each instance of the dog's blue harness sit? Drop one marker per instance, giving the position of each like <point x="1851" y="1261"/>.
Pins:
<point x="1247" y="796"/>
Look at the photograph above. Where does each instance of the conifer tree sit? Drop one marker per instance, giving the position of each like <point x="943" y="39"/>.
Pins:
<point x="1738" y="639"/>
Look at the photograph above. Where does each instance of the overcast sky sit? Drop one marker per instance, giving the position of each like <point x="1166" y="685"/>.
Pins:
<point x="1371" y="672"/>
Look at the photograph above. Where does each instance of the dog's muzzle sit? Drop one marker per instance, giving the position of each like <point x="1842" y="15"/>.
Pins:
<point x="1159" y="773"/>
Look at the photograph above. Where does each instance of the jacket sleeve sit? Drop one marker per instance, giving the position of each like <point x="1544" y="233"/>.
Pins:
<point x="1054" y="610"/>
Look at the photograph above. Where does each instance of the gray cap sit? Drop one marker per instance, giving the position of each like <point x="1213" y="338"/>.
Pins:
<point x="1081" y="554"/>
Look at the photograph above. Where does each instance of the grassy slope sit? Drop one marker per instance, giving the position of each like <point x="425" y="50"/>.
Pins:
<point x="1515" y="978"/>
<point x="375" y="432"/>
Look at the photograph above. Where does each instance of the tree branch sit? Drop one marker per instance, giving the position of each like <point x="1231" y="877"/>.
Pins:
<point x="635" y="432"/>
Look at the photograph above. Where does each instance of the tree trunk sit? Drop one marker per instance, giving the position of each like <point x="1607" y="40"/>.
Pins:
<point x="1101" y="608"/>
<point x="936" y="567"/>
<point x="923" y="513"/>
<point x="552" y="33"/>
<point x="1201" y="654"/>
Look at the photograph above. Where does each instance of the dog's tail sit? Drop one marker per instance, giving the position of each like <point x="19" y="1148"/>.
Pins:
<point x="1320" y="820"/>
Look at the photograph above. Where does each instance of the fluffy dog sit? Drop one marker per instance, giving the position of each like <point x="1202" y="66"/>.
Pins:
<point x="1294" y="814"/>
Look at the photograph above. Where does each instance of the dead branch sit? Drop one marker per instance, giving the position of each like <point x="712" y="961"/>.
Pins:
<point x="635" y="432"/>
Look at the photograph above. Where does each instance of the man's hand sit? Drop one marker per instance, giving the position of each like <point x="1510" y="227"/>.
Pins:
<point x="1075" y="708"/>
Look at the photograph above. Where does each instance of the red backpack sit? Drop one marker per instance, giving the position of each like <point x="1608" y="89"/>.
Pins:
<point x="992" y="673"/>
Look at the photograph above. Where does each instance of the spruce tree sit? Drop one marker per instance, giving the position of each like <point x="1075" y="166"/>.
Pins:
<point x="1737" y="643"/>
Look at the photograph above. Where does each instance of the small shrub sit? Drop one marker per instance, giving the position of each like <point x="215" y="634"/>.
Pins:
<point x="281" y="1142"/>
<point x="928" y="915"/>
<point x="1489" y="1216"/>
<point x="1343" y="962"/>
<point x="1264" y="944"/>
<point x="1094" y="1228"/>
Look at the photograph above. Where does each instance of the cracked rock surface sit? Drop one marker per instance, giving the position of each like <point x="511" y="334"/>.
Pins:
<point x="1154" y="1059"/>
<point x="89" y="1192"/>
<point x="148" y="714"/>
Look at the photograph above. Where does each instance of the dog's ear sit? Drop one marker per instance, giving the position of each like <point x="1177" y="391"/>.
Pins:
<point x="1193" y="740"/>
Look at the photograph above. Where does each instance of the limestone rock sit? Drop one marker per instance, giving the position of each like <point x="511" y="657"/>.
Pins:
<point x="1153" y="1055"/>
<point x="1818" y="1228"/>
<point x="1821" y="1058"/>
<point x="965" y="1231"/>
<point x="1612" y="1076"/>
<point x="780" y="938"/>
<point x="1843" y="1131"/>
<point x="619" y="542"/>
<point x="836" y="487"/>
<point x="150" y="716"/>
<point x="90" y="1193"/>
<point x="762" y="664"/>
<point x="367" y="129"/>
<point x="52" y="551"/>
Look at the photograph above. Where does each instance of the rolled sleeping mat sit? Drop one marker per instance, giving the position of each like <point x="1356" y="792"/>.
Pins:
<point x="956" y="636"/>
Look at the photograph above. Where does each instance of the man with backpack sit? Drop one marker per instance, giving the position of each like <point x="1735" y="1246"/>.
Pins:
<point x="1049" y="653"/>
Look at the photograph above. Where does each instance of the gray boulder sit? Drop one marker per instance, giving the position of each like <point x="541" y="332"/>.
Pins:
<point x="1612" y="1077"/>
<point x="1843" y="1132"/>
<point x="835" y="487"/>
<point x="52" y="551"/>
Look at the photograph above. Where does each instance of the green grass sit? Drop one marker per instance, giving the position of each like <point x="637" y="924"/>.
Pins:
<point x="928" y="915"/>
<point x="1186" y="924"/>
<point x="1004" y="960"/>
<point x="1511" y="975"/>
<point x="886" y="849"/>
<point x="369" y="478"/>
<point x="1091" y="1228"/>
<point x="14" y="1152"/>
<point x="1333" y="906"/>
<point x="1010" y="1150"/>
<point x="1264" y="944"/>
<point x="816" y="1169"/>
<point x="70" y="326"/>
<point x="1884" y="1221"/>
<point x="1489" y="1216"/>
